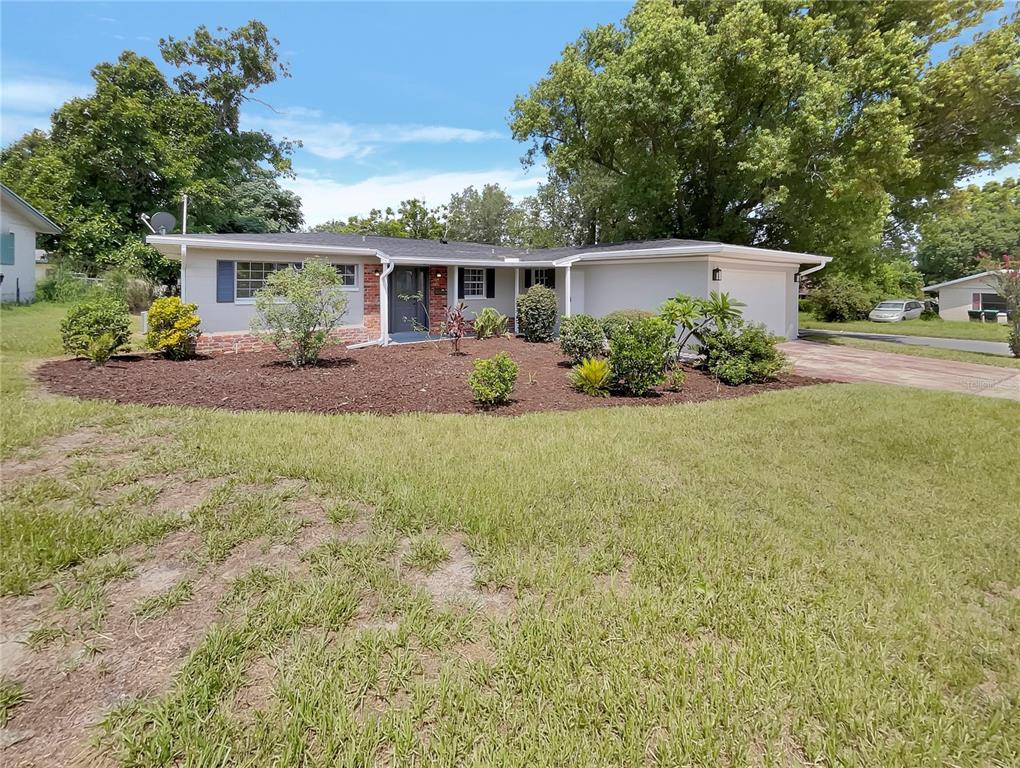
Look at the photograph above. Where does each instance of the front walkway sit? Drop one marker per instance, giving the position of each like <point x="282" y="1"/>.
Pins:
<point x="853" y="365"/>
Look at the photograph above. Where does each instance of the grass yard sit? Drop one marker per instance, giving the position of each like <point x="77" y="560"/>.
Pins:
<point x="915" y="350"/>
<point x="944" y="329"/>
<point x="827" y="575"/>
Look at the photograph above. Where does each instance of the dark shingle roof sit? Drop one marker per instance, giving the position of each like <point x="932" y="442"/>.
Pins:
<point x="406" y="248"/>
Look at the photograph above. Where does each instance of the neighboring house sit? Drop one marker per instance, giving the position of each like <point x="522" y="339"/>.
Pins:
<point x="965" y="295"/>
<point x="220" y="273"/>
<point x="42" y="265"/>
<point x="20" y="223"/>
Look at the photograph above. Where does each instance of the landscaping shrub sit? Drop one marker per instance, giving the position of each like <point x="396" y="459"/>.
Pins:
<point x="297" y="309"/>
<point x="173" y="327"/>
<point x="490" y="322"/>
<point x="592" y="376"/>
<point x="89" y="320"/>
<point x="741" y="353"/>
<point x="100" y="349"/>
<point x="676" y="376"/>
<point x="622" y="319"/>
<point x="536" y="313"/>
<point x="805" y="305"/>
<point x="455" y="326"/>
<point x="843" y="298"/>
<point x="691" y="316"/>
<point x="638" y="352"/>
<point x="582" y="337"/>
<point x="492" y="379"/>
<point x="136" y="292"/>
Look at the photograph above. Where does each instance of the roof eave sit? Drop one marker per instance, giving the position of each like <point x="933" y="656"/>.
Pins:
<point x="46" y="225"/>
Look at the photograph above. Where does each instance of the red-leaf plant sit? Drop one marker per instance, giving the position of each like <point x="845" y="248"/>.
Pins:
<point x="456" y="326"/>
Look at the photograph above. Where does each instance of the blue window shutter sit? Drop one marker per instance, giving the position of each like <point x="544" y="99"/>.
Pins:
<point x="224" y="282"/>
<point x="7" y="248"/>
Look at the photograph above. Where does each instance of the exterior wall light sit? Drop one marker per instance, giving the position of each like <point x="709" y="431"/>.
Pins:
<point x="716" y="275"/>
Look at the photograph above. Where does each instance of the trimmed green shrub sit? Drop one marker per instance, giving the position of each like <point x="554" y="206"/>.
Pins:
<point x="88" y="320"/>
<point x="173" y="327"/>
<point x="492" y="379"/>
<point x="638" y="354"/>
<point x="582" y="337"/>
<point x="100" y="349"/>
<point x="740" y="354"/>
<point x="676" y="376"/>
<point x="592" y="376"/>
<point x="843" y="298"/>
<point x="536" y="313"/>
<point x="622" y="319"/>
<point x="297" y="309"/>
<point x="490" y="322"/>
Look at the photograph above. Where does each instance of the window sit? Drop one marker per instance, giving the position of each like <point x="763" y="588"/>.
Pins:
<point x="993" y="301"/>
<point x="348" y="275"/>
<point x="474" y="283"/>
<point x="541" y="277"/>
<point x="251" y="275"/>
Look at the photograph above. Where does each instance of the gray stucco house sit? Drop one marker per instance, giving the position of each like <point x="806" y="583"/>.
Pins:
<point x="220" y="273"/>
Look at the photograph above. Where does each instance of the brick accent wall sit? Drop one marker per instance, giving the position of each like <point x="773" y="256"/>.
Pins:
<point x="370" y="285"/>
<point x="231" y="343"/>
<point x="438" y="291"/>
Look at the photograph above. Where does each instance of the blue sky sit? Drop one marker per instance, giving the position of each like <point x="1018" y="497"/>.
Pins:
<point x="391" y="100"/>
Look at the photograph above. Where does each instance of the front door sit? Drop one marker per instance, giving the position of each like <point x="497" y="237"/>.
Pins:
<point x="408" y="296"/>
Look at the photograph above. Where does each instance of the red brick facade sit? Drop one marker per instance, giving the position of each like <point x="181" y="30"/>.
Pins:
<point x="438" y="291"/>
<point x="230" y="343"/>
<point x="370" y="282"/>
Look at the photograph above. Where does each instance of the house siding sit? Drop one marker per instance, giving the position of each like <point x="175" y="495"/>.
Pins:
<point x="609" y="287"/>
<point x="19" y="277"/>
<point x="955" y="300"/>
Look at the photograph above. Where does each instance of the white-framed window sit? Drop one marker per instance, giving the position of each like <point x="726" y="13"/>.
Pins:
<point x="250" y="276"/>
<point x="474" y="283"/>
<point x="348" y="276"/>
<point x="541" y="277"/>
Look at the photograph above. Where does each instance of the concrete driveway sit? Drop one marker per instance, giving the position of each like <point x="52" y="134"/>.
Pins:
<point x="848" y="364"/>
<point x="964" y="345"/>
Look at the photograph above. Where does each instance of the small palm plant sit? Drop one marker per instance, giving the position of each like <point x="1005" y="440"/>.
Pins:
<point x="592" y="376"/>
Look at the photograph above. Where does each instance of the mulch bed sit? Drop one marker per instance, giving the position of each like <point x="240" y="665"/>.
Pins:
<point x="389" y="380"/>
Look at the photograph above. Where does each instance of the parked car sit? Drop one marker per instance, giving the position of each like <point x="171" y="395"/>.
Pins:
<point x="895" y="310"/>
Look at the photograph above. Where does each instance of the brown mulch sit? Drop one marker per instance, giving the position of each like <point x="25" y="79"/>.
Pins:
<point x="388" y="380"/>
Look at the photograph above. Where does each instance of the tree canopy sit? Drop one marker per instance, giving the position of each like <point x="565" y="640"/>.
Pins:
<point x="805" y="126"/>
<point x="137" y="143"/>
<point x="968" y="226"/>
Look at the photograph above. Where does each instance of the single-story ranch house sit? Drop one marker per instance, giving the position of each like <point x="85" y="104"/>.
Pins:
<point x="221" y="273"/>
<point x="968" y="297"/>
<point x="20" y="225"/>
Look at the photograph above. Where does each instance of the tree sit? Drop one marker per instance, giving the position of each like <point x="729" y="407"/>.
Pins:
<point x="136" y="144"/>
<point x="480" y="217"/>
<point x="790" y="125"/>
<point x="230" y="68"/>
<point x="967" y="225"/>
<point x="1005" y="276"/>
<point x="413" y="219"/>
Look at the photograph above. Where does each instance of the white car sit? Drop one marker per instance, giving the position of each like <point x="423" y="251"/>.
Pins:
<point x="896" y="310"/>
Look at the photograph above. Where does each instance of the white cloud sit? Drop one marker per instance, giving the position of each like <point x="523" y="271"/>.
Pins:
<point x="323" y="198"/>
<point x="1011" y="171"/>
<point x="26" y="103"/>
<point x="338" y="140"/>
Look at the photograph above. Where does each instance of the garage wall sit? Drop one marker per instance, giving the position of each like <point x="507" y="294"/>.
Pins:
<point x="19" y="277"/>
<point x="236" y="316"/>
<point x="955" y="300"/>
<point x="608" y="287"/>
<point x="770" y="296"/>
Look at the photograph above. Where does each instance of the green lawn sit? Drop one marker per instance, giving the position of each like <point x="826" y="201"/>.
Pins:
<point x="916" y="350"/>
<point x="946" y="329"/>
<point x="829" y="575"/>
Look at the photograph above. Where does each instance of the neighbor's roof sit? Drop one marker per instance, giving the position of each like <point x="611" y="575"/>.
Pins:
<point x="43" y="223"/>
<point x="961" y="280"/>
<point x="406" y="250"/>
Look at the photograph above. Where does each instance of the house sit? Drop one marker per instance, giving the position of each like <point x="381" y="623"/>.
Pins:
<point x="20" y="224"/>
<point x="968" y="296"/>
<point x="221" y="273"/>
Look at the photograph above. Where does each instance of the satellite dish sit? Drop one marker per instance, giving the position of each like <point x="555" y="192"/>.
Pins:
<point x="163" y="222"/>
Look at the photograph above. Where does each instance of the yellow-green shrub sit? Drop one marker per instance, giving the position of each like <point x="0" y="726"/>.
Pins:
<point x="173" y="327"/>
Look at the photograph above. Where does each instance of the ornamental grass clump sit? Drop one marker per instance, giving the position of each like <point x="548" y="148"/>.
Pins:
<point x="593" y="376"/>
<point x="298" y="309"/>
<point x="173" y="327"/>
<point x="492" y="379"/>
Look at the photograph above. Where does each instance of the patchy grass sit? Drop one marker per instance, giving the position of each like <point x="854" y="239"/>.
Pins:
<point x="827" y="575"/>
<point x="945" y="329"/>
<point x="12" y="693"/>
<point x="155" y="606"/>
<point x="914" y="350"/>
